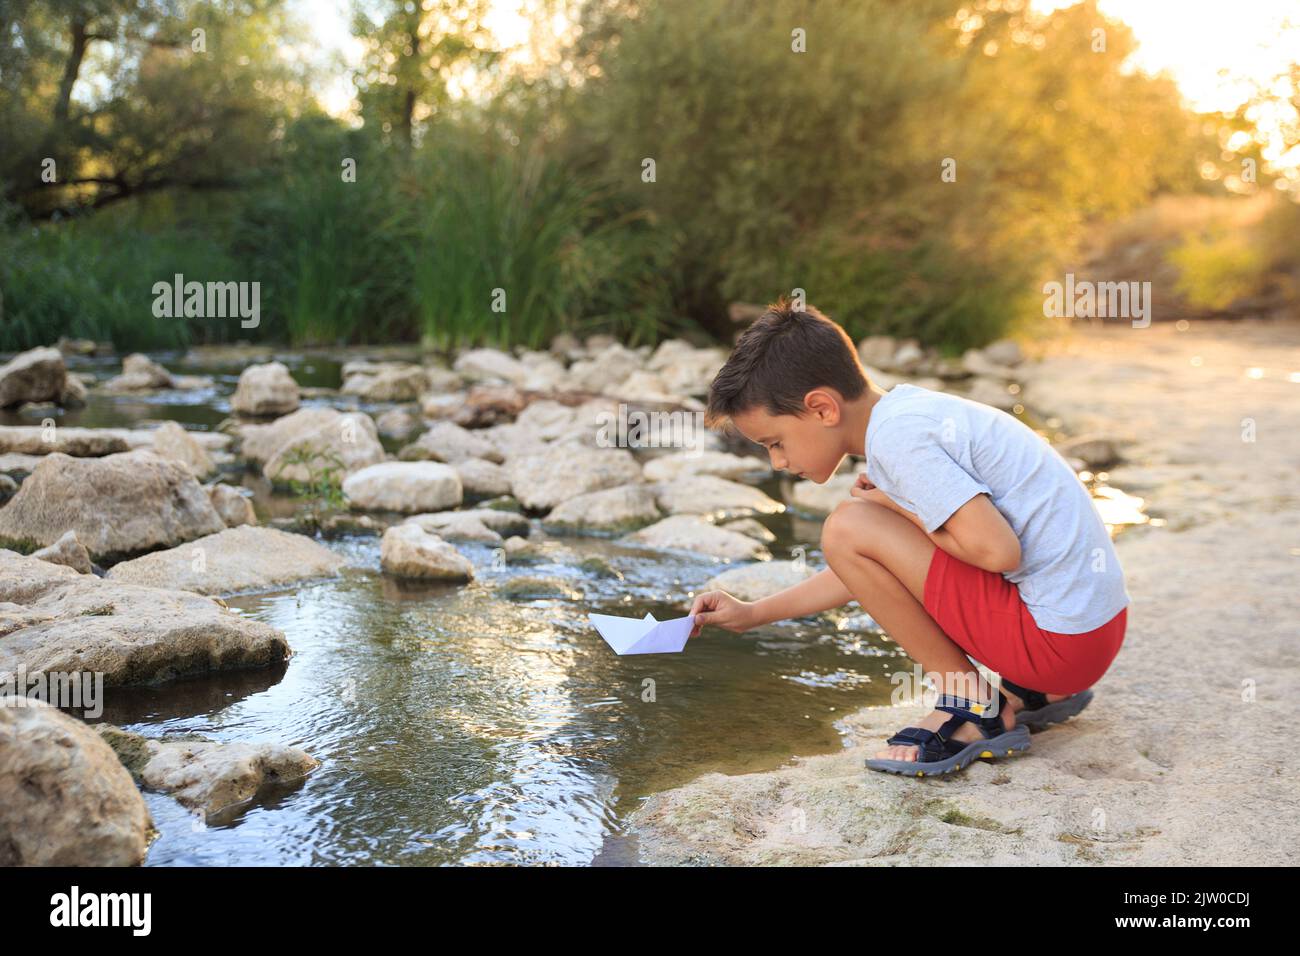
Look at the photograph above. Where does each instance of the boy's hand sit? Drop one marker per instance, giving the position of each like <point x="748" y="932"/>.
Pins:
<point x="863" y="487"/>
<point x="722" y="610"/>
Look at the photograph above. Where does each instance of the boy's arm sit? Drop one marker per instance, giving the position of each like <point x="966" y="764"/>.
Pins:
<point x="978" y="520"/>
<point x="821" y="592"/>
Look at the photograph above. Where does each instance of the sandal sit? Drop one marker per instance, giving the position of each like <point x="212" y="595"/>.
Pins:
<point x="1039" y="712"/>
<point x="937" y="753"/>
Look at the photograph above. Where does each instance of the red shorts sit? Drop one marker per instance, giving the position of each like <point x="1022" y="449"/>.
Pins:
<point x="983" y="614"/>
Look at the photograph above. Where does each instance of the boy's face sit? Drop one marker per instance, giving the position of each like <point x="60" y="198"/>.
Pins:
<point x="808" y="445"/>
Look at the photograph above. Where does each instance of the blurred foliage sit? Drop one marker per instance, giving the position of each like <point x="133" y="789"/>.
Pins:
<point x="773" y="170"/>
<point x="1218" y="269"/>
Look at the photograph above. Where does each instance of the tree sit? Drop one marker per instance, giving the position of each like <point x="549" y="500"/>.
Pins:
<point x="412" y="52"/>
<point x="179" y="94"/>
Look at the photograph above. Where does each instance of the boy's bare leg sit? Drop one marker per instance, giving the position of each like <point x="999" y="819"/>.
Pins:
<point x="883" y="559"/>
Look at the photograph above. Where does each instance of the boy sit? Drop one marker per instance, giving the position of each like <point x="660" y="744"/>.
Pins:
<point x="968" y="538"/>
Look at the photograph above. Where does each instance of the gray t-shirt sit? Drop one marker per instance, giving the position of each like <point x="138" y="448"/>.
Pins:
<point x="932" y="452"/>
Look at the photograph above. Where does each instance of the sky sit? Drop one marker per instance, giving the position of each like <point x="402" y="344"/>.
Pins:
<point x="1194" y="39"/>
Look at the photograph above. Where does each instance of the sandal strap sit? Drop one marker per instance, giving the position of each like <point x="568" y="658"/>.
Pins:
<point x="974" y="712"/>
<point x="1034" y="699"/>
<point x="931" y="746"/>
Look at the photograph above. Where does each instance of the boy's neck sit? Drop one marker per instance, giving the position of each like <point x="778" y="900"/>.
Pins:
<point x="857" y="415"/>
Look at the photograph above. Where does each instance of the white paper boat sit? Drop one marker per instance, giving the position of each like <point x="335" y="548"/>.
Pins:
<point x="627" y="635"/>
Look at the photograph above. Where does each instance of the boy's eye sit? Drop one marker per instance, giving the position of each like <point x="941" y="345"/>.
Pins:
<point x="775" y="444"/>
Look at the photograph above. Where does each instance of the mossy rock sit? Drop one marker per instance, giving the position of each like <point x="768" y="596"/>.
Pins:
<point x="595" y="564"/>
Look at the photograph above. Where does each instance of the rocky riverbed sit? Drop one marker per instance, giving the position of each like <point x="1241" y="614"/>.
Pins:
<point x="338" y="607"/>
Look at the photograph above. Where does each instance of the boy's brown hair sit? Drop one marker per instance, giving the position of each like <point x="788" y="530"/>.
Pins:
<point x="780" y="358"/>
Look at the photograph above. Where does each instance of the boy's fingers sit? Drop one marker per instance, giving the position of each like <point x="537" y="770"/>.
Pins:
<point x="704" y="602"/>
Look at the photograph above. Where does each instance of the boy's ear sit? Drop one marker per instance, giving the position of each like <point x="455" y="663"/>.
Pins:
<point x="825" y="405"/>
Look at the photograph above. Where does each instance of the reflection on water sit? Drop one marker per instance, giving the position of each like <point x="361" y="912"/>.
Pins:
<point x="454" y="725"/>
<point x="457" y="726"/>
<point x="1118" y="509"/>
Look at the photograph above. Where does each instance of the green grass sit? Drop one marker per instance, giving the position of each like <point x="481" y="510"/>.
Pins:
<point x="94" y="279"/>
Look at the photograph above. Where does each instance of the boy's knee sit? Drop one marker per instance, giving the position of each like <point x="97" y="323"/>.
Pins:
<point x="842" y="531"/>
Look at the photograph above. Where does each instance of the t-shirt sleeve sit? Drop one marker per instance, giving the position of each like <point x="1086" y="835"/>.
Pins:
<point x="920" y="471"/>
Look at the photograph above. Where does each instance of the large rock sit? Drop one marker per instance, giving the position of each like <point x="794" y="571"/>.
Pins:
<point x="482" y="478"/>
<point x="754" y="581"/>
<point x="205" y="775"/>
<point x="346" y="443"/>
<point x="408" y="551"/>
<point x="515" y="440"/>
<point x="78" y="442"/>
<point x="610" y="511"/>
<point x="705" y="494"/>
<point x="821" y="499"/>
<point x="491" y="365"/>
<point x="245" y="558"/>
<point x="259" y="443"/>
<point x="692" y="533"/>
<point x="448" y="442"/>
<point x="387" y="382"/>
<point x="406" y="486"/>
<point x="234" y="507"/>
<point x="1004" y="352"/>
<point x="74" y="392"/>
<point x="118" y="505"/>
<point x="457" y="526"/>
<point x="612" y="365"/>
<point x="265" y="390"/>
<point x="399" y="422"/>
<point x="37" y="375"/>
<point x="546" y="373"/>
<point x="139" y="374"/>
<point x="751" y="528"/>
<point x="549" y="420"/>
<point x="642" y="386"/>
<point x="442" y="379"/>
<point x="685" y="369"/>
<point x="481" y="406"/>
<point x="172" y="441"/>
<point x="67" y="551"/>
<point x="65" y="798"/>
<point x="562" y="472"/>
<point x="877" y="350"/>
<point x="720" y="464"/>
<point x="501" y="522"/>
<point x="59" y="620"/>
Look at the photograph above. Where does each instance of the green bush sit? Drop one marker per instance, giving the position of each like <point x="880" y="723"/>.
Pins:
<point x="1216" y="270"/>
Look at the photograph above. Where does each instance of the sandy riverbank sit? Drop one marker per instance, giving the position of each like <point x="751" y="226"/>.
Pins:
<point x="1187" y="755"/>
